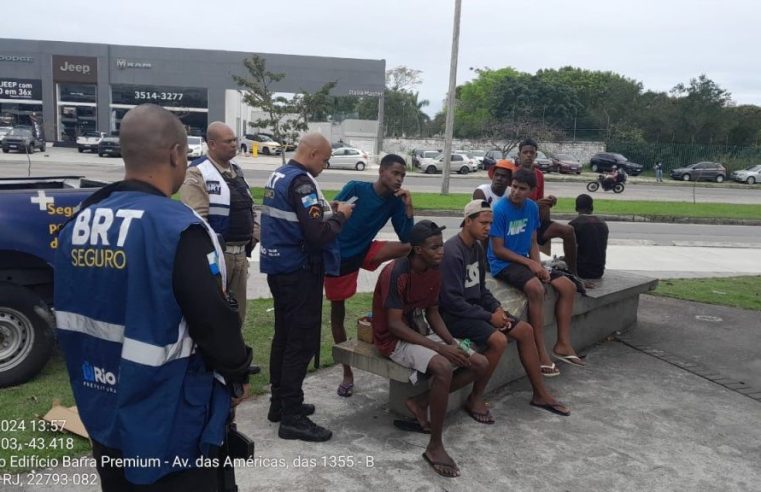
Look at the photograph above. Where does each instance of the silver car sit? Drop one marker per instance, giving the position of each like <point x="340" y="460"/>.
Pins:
<point x="750" y="175"/>
<point x="348" y="158"/>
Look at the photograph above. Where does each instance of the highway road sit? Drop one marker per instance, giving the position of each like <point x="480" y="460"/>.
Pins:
<point x="58" y="161"/>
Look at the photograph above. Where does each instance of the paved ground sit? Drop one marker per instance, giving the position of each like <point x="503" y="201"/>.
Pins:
<point x="639" y="422"/>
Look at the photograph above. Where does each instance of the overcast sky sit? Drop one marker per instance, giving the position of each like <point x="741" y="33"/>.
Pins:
<point x="659" y="43"/>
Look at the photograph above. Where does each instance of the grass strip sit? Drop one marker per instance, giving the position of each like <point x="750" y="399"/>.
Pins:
<point x="456" y="201"/>
<point x="740" y="292"/>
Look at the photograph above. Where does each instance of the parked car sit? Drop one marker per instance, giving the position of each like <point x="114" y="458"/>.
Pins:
<point x="750" y="175"/>
<point x="196" y="147"/>
<point x="267" y="145"/>
<point x="459" y="163"/>
<point x="604" y="161"/>
<point x="348" y="158"/>
<point x="109" y="146"/>
<point x="491" y="158"/>
<point x="478" y="155"/>
<point x="89" y="141"/>
<point x="710" y="171"/>
<point x="543" y="162"/>
<point x="4" y="131"/>
<point x="565" y="164"/>
<point x="288" y="146"/>
<point x="31" y="211"/>
<point x="418" y="155"/>
<point x="22" y="140"/>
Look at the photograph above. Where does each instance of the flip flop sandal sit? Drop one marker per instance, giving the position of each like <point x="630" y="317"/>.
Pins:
<point x="551" y="408"/>
<point x="573" y="360"/>
<point x="345" y="390"/>
<point x="451" y="467"/>
<point x="482" y="418"/>
<point x="410" y="425"/>
<point x="550" y="371"/>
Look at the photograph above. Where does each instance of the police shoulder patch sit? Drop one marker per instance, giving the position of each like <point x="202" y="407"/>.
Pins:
<point x="213" y="259"/>
<point x="309" y="200"/>
<point x="315" y="211"/>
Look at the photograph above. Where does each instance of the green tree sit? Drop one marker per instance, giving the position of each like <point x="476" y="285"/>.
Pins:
<point x="286" y="116"/>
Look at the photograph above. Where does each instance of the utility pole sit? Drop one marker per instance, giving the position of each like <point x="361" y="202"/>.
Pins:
<point x="451" y="99"/>
<point x="381" y="129"/>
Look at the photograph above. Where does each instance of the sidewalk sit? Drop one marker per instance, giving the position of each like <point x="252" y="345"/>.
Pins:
<point x="638" y="422"/>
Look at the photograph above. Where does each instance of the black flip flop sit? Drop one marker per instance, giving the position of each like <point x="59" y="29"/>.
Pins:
<point x="479" y="416"/>
<point x="434" y="464"/>
<point x="550" y="408"/>
<point x="410" y="426"/>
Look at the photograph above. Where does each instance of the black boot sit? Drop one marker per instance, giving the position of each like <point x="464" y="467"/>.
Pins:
<point x="300" y="427"/>
<point x="276" y="413"/>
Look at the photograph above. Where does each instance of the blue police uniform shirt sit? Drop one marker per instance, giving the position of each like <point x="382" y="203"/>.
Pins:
<point x="515" y="225"/>
<point x="139" y="383"/>
<point x="283" y="248"/>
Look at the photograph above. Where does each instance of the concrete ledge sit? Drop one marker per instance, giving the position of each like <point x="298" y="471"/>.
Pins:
<point x="610" y="307"/>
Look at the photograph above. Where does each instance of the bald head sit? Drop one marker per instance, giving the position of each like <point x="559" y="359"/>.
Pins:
<point x="222" y="143"/>
<point x="217" y="129"/>
<point x="313" y="151"/>
<point x="148" y="135"/>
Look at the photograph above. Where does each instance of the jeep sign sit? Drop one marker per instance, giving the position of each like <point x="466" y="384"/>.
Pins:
<point x="75" y="69"/>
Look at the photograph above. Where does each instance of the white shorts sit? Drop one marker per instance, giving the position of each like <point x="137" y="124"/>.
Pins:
<point x="414" y="356"/>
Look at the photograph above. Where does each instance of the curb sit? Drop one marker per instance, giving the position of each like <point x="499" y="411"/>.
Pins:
<point x="664" y="219"/>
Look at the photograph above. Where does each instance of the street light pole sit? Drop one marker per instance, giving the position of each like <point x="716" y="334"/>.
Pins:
<point x="451" y="99"/>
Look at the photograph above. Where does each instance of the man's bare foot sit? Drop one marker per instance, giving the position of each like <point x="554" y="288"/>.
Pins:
<point x="479" y="410"/>
<point x="441" y="462"/>
<point x="420" y="414"/>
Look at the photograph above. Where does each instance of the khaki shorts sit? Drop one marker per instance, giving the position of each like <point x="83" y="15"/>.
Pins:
<point x="414" y="356"/>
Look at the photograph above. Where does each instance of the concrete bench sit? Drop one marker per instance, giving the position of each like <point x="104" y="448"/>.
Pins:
<point x="606" y="309"/>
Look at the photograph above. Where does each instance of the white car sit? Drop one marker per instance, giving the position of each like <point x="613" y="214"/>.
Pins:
<point x="266" y="144"/>
<point x="89" y="141"/>
<point x="348" y="158"/>
<point x="4" y="131"/>
<point x="196" y="147"/>
<point x="750" y="175"/>
<point x="459" y="163"/>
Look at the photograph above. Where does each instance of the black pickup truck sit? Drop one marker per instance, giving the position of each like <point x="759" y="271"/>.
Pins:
<point x="31" y="212"/>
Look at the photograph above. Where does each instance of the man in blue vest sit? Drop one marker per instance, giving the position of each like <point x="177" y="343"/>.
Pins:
<point x="299" y="231"/>
<point x="215" y="188"/>
<point x="152" y="346"/>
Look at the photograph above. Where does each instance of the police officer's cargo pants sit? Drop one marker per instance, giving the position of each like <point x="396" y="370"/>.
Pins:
<point x="298" y="317"/>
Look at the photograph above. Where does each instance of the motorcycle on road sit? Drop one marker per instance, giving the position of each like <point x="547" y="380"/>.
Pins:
<point x="607" y="183"/>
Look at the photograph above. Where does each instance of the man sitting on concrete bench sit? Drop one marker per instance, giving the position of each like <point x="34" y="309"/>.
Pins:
<point x="471" y="311"/>
<point x="514" y="258"/>
<point x="407" y="288"/>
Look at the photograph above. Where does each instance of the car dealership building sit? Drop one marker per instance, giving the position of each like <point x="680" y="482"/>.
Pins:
<point x="70" y="88"/>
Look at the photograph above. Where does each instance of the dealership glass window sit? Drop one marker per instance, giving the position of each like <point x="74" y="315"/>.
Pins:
<point x="195" y="121"/>
<point x="15" y="114"/>
<point x="190" y="104"/>
<point x="77" y="110"/>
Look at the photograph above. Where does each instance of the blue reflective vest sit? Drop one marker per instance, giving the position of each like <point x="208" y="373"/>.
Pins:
<point x="139" y="383"/>
<point x="283" y="249"/>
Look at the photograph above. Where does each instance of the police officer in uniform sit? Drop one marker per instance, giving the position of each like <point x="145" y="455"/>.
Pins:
<point x="216" y="189"/>
<point x="299" y="231"/>
<point x="152" y="345"/>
